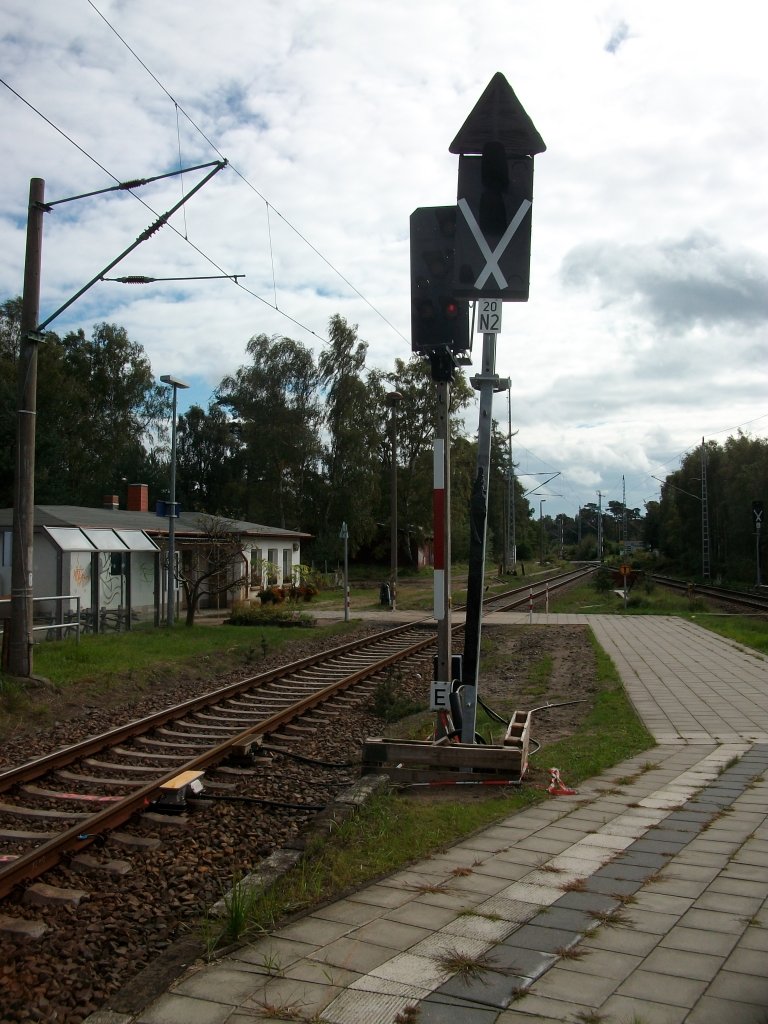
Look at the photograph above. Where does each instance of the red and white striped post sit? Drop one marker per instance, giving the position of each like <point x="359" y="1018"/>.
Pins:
<point x="441" y="512"/>
<point x="439" y="525"/>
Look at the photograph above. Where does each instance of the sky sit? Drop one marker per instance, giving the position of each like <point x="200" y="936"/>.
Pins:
<point x="646" y="324"/>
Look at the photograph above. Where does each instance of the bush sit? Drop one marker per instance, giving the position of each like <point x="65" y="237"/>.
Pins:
<point x="603" y="581"/>
<point x="272" y="595"/>
<point x="269" y="616"/>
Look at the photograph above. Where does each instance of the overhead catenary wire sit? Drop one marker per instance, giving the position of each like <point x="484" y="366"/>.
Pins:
<point x="147" y="206"/>
<point x="246" y="181"/>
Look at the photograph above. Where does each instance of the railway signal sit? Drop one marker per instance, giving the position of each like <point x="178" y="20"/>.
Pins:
<point x="496" y="146"/>
<point x="477" y="250"/>
<point x="439" y="319"/>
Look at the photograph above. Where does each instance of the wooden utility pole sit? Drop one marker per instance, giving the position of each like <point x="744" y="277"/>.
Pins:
<point x="21" y="622"/>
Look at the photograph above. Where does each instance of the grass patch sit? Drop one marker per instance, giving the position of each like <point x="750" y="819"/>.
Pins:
<point x="159" y="650"/>
<point x="585" y="599"/>
<point x="123" y="666"/>
<point x="747" y="630"/>
<point x="539" y="675"/>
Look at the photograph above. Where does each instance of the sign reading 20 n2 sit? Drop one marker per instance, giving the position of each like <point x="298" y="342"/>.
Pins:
<point x="489" y="316"/>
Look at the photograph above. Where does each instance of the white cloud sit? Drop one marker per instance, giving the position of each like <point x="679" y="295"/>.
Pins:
<point x="339" y="114"/>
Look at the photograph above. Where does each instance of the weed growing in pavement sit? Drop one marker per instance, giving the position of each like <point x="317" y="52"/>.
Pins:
<point x="469" y="912"/>
<point x="716" y="816"/>
<point x="576" y="885"/>
<point x="589" y="1017"/>
<point x="609" y="918"/>
<point x="570" y="953"/>
<point x="239" y="905"/>
<point x="408" y="1015"/>
<point x="729" y="764"/>
<point x="466" y="967"/>
<point x="462" y="872"/>
<point x="271" y="964"/>
<point x="283" y="1011"/>
<point x="430" y="888"/>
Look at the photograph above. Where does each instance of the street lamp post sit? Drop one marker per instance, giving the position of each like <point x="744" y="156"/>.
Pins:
<point x="174" y="383"/>
<point x="393" y="400"/>
<point x="541" y="530"/>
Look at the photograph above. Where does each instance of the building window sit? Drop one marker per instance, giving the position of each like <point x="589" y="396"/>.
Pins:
<point x="274" y="566"/>
<point x="287" y="565"/>
<point x="257" y="567"/>
<point x="6" y="548"/>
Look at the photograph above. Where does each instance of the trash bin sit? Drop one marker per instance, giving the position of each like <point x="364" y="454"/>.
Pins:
<point x="384" y="594"/>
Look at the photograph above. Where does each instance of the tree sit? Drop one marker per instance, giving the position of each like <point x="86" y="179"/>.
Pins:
<point x="99" y="412"/>
<point x="115" y="410"/>
<point x="10" y="330"/>
<point x="208" y="455"/>
<point x="215" y="564"/>
<point x="737" y="475"/>
<point x="274" y="404"/>
<point x="354" y="420"/>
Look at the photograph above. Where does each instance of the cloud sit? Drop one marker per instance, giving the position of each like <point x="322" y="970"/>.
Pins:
<point x="676" y="284"/>
<point x="618" y="37"/>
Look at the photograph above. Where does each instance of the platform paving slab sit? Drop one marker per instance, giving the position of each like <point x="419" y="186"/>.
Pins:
<point x="172" y="1008"/>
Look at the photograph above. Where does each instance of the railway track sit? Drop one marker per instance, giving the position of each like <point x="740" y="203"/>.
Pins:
<point x="72" y="796"/>
<point x="63" y="802"/>
<point x="534" y="593"/>
<point x="737" y="598"/>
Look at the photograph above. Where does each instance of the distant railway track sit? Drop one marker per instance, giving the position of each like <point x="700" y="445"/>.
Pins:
<point x="535" y="592"/>
<point x="737" y="598"/>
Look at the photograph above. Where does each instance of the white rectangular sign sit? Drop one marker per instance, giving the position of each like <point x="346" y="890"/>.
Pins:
<point x="488" y="316"/>
<point x="439" y="696"/>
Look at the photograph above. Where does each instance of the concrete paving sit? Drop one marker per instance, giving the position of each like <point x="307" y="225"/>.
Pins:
<point x="640" y="900"/>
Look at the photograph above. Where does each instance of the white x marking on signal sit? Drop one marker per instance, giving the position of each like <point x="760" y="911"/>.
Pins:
<point x="492" y="257"/>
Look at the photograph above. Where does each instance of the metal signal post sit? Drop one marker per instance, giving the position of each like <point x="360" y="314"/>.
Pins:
<point x="496" y="145"/>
